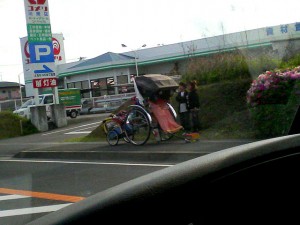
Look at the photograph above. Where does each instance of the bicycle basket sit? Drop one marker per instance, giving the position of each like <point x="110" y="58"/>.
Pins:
<point x="109" y="125"/>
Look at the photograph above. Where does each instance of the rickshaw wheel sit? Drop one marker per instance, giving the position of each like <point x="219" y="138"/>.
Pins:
<point x="128" y="140"/>
<point x="138" y="127"/>
<point x="112" y="137"/>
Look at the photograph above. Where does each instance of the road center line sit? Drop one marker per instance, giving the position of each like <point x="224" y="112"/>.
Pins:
<point x="25" y="211"/>
<point x="88" y="163"/>
<point x="43" y="195"/>
<point x="54" y="132"/>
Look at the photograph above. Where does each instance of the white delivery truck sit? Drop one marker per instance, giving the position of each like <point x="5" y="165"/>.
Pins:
<point x="69" y="97"/>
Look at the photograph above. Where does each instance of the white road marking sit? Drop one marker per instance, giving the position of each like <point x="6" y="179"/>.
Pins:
<point x="79" y="132"/>
<point x="12" y="197"/>
<point x="88" y="163"/>
<point x="33" y="210"/>
<point x="59" y="131"/>
<point x="88" y="128"/>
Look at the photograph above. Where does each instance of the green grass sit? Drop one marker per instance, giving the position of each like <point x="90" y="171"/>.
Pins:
<point x="86" y="139"/>
<point x="223" y="110"/>
<point x="224" y="114"/>
<point x="11" y="125"/>
<point x="237" y="126"/>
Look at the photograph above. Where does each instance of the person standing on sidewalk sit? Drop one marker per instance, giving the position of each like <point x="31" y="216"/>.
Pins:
<point x="193" y="105"/>
<point x="184" y="115"/>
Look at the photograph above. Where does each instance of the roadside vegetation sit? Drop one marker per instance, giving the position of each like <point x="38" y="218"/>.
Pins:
<point x="224" y="80"/>
<point x="224" y="83"/>
<point x="11" y="125"/>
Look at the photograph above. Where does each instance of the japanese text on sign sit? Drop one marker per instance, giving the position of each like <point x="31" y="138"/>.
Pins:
<point x="37" y="13"/>
<point x="45" y="82"/>
<point x="39" y="33"/>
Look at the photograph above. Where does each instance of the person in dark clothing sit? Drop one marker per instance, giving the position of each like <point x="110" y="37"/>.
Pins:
<point x="184" y="115"/>
<point x="193" y="105"/>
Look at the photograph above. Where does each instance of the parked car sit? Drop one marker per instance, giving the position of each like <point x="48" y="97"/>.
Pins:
<point x="69" y="97"/>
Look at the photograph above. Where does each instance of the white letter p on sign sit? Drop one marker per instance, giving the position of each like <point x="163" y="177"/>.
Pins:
<point x="41" y="50"/>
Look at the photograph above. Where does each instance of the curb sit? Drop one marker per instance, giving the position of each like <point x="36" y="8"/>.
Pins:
<point x="120" y="156"/>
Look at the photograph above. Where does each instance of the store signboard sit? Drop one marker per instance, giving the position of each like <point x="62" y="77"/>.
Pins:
<point x="59" y="58"/>
<point x="40" y="45"/>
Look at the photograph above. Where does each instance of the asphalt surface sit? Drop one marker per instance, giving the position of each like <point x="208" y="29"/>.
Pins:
<point x="29" y="189"/>
<point x="42" y="173"/>
<point x="53" y="145"/>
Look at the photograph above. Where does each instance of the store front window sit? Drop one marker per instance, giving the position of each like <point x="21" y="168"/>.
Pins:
<point x="103" y="86"/>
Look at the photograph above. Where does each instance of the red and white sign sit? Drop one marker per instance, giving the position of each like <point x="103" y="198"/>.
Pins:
<point x="37" y="12"/>
<point x="58" y="49"/>
<point x="59" y="57"/>
<point x="45" y="82"/>
<point x="37" y="2"/>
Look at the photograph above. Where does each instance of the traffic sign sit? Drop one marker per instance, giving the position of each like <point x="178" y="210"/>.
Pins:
<point x="43" y="70"/>
<point x="41" y="52"/>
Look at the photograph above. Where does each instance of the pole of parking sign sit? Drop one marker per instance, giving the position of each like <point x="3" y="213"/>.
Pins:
<point x="56" y="98"/>
<point x="36" y="96"/>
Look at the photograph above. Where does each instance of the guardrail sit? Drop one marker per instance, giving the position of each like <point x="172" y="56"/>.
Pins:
<point x="104" y="103"/>
<point x="101" y="103"/>
<point x="11" y="105"/>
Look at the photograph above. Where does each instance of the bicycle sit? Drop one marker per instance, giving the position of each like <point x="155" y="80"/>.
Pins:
<point x="114" y="128"/>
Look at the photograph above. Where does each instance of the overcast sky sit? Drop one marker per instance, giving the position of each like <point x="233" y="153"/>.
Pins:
<point x="94" y="27"/>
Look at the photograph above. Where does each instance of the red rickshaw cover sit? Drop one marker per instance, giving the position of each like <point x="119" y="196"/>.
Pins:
<point x="165" y="119"/>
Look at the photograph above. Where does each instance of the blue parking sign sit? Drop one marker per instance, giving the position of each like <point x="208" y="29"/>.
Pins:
<point x="41" y="52"/>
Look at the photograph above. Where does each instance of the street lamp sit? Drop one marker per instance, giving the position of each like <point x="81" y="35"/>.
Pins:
<point x="135" y="56"/>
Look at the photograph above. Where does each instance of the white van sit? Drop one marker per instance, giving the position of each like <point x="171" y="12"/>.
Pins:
<point x="24" y="110"/>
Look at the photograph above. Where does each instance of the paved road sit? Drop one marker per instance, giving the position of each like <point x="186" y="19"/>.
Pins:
<point x="41" y="173"/>
<point x="30" y="189"/>
<point x="76" y="128"/>
<point x="52" y="145"/>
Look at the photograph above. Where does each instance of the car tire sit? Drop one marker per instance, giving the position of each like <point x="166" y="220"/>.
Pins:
<point x="73" y="114"/>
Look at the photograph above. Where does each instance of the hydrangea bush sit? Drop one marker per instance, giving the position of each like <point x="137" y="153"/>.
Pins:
<point x="273" y="100"/>
<point x="273" y="87"/>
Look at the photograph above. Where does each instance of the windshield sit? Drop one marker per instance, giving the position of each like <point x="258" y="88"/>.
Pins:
<point x="139" y="86"/>
<point x="28" y="103"/>
<point x="31" y="102"/>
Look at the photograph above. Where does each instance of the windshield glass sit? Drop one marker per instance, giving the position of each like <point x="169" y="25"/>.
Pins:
<point x="28" y="103"/>
<point x="139" y="86"/>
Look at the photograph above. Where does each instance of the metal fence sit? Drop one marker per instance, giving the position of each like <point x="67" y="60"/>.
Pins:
<point x="89" y="105"/>
<point x="104" y="103"/>
<point x="11" y="105"/>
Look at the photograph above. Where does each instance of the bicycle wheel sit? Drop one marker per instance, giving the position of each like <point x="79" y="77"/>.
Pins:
<point x="138" y="128"/>
<point x="112" y="137"/>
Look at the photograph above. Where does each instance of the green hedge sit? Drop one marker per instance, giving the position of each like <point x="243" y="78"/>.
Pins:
<point x="224" y="113"/>
<point x="272" y="120"/>
<point x="10" y="126"/>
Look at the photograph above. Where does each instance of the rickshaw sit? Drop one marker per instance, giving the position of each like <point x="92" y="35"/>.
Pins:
<point x="150" y="113"/>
